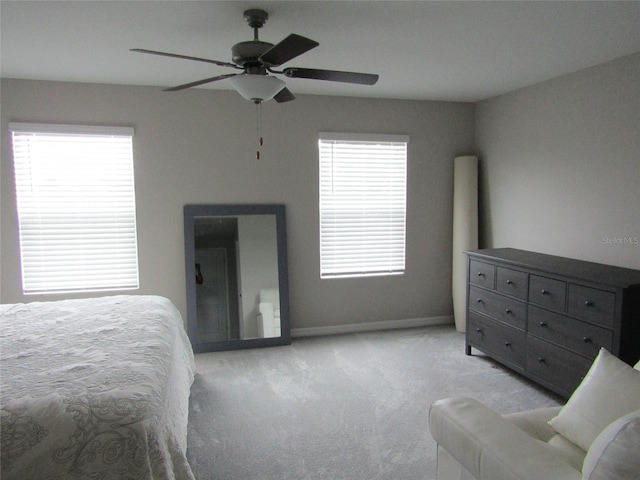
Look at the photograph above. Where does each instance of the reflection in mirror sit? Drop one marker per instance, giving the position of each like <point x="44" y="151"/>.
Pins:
<point x="236" y="276"/>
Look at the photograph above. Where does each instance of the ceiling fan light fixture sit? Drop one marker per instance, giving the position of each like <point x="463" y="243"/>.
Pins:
<point x="257" y="88"/>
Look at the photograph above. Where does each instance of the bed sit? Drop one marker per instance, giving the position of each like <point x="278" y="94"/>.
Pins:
<point x="94" y="389"/>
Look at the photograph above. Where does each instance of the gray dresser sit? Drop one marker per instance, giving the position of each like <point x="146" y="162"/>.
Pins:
<point x="546" y="317"/>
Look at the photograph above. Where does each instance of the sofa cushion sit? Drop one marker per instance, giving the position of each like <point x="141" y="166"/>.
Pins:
<point x="610" y="390"/>
<point x="571" y="452"/>
<point x="615" y="453"/>
<point x="535" y="423"/>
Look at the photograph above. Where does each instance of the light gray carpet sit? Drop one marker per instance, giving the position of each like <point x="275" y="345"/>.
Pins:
<point x="352" y="407"/>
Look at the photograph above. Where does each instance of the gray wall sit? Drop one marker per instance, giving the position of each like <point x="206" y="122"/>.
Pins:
<point x="560" y="165"/>
<point x="198" y="146"/>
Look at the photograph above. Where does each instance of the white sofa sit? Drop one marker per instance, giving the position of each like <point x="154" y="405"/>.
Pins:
<point x="269" y="313"/>
<point x="595" y="436"/>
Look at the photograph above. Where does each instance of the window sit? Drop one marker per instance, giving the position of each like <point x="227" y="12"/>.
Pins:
<point x="363" y="186"/>
<point x="76" y="208"/>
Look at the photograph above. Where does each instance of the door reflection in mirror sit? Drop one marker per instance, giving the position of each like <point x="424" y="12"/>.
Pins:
<point x="217" y="292"/>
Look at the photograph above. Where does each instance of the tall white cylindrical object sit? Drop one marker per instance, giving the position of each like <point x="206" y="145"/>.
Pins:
<point x="465" y="230"/>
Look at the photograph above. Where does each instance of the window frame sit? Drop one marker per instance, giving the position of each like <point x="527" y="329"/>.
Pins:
<point x="106" y="257"/>
<point x="337" y="258"/>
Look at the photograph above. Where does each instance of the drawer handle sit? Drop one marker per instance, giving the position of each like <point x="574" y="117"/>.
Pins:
<point x="480" y="274"/>
<point x="543" y="324"/>
<point x="509" y="282"/>
<point x="507" y="311"/>
<point x="480" y="300"/>
<point x="544" y="292"/>
<point x="507" y="344"/>
<point x="588" y="303"/>
<point x="479" y="330"/>
<point x="587" y="340"/>
<point x="541" y="360"/>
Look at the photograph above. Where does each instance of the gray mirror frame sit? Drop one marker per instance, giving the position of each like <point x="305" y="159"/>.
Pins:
<point x="205" y="210"/>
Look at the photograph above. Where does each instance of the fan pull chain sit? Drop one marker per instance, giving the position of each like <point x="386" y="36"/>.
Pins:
<point x="259" y="129"/>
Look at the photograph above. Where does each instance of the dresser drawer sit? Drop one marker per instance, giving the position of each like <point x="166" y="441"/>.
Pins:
<point x="577" y="336"/>
<point x="512" y="282"/>
<point x="501" y="341"/>
<point x="482" y="274"/>
<point x="499" y="307"/>
<point x="555" y="365"/>
<point x="592" y="304"/>
<point x="547" y="292"/>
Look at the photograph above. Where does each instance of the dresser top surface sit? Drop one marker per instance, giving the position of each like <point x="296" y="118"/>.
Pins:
<point x="580" y="269"/>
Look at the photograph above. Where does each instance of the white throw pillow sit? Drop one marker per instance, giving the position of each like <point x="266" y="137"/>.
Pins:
<point x="610" y="390"/>
<point x="615" y="453"/>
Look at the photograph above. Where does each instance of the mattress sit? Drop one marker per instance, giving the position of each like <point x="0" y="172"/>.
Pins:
<point x="94" y="389"/>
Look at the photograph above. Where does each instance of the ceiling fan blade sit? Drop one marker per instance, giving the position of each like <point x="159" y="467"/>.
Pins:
<point x="185" y="57"/>
<point x="332" y="75"/>
<point x="199" y="82"/>
<point x="284" y="95"/>
<point x="287" y="49"/>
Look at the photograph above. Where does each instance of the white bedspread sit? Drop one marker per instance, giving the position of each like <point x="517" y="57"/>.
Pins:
<point x="94" y="389"/>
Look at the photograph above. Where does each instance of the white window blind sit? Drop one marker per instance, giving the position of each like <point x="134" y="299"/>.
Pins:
<point x="76" y="207"/>
<point x="363" y="188"/>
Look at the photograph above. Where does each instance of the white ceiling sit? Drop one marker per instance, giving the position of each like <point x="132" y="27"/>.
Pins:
<point x="461" y="51"/>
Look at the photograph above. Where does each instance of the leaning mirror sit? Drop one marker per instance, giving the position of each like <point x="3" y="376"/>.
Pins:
<point x="236" y="272"/>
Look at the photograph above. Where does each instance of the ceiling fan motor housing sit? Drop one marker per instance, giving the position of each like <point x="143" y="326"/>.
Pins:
<point x="246" y="53"/>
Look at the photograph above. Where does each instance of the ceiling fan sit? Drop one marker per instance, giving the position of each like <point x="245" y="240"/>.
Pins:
<point x="257" y="60"/>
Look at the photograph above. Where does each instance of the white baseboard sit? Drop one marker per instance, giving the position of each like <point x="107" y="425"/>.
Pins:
<point x="371" y="326"/>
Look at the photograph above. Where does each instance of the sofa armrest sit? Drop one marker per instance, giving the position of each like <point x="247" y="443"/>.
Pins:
<point x="492" y="448"/>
